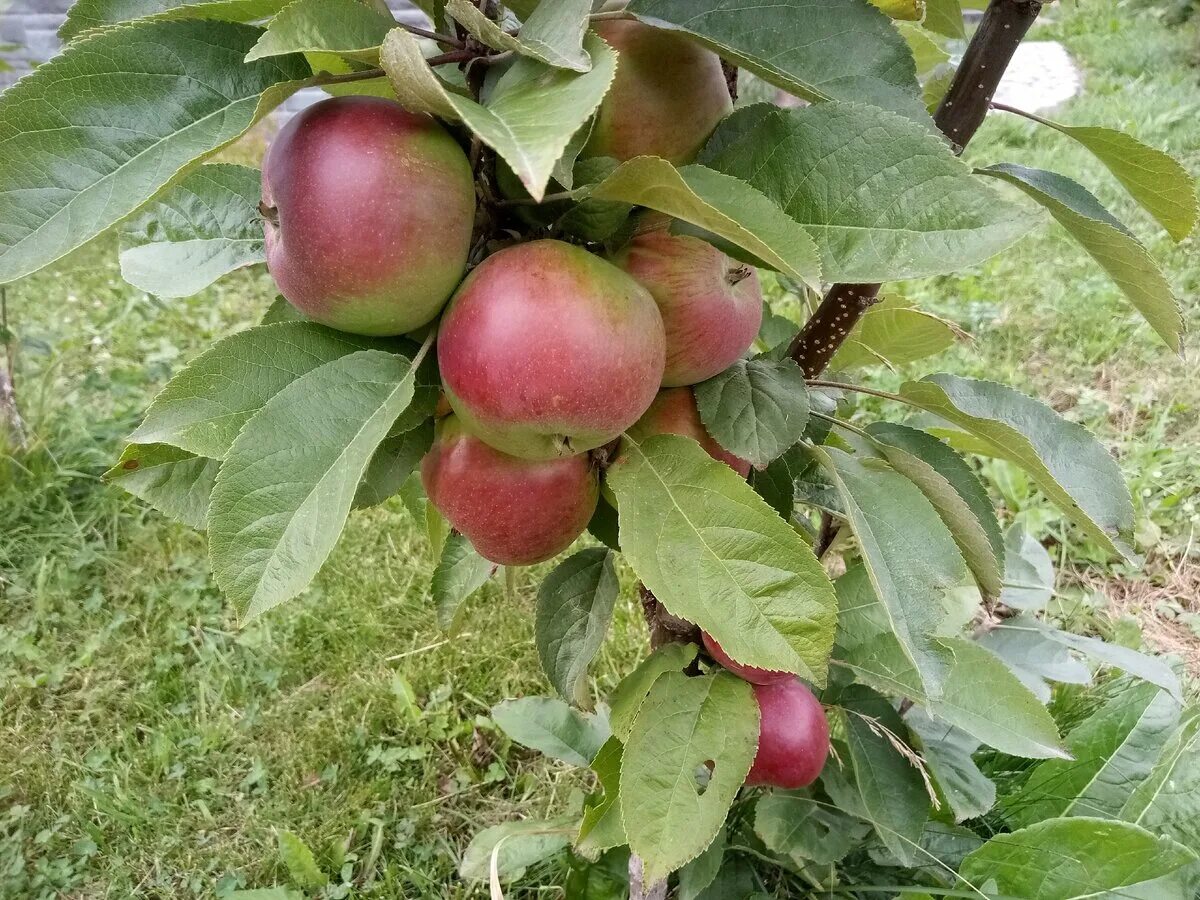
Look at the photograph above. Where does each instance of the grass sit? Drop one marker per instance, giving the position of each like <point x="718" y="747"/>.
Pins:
<point x="150" y="749"/>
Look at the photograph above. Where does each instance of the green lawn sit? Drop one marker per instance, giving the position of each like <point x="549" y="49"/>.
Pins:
<point x="148" y="748"/>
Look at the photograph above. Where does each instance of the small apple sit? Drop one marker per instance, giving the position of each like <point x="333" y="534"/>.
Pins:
<point x="712" y="305"/>
<point x="793" y="735"/>
<point x="674" y="411"/>
<point x="753" y="674"/>
<point x="515" y="512"/>
<point x="668" y="95"/>
<point x="547" y="350"/>
<point x="368" y="215"/>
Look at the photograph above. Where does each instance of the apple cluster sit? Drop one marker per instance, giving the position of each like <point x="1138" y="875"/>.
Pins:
<point x="548" y="352"/>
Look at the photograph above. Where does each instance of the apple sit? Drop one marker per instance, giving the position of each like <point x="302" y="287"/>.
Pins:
<point x="753" y="674"/>
<point x="368" y="215"/>
<point x="712" y="305"/>
<point x="674" y="411"/>
<point x="515" y="512"/>
<point x="793" y="735"/>
<point x="547" y="350"/>
<point x="668" y="95"/>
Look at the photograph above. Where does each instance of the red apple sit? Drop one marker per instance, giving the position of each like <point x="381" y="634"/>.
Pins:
<point x="369" y="210"/>
<point x="515" y="512"/>
<point x="674" y="412"/>
<point x="547" y="350"/>
<point x="793" y="735"/>
<point x="711" y="305"/>
<point x="753" y="674"/>
<point x="668" y="95"/>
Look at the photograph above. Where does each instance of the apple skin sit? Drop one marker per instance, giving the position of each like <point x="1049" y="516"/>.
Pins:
<point x="515" y="512"/>
<point x="374" y="208"/>
<point x="547" y="350"/>
<point x="668" y="95"/>
<point x="793" y="735"/>
<point x="674" y="411"/>
<point x="712" y="305"/>
<point x="752" y="674"/>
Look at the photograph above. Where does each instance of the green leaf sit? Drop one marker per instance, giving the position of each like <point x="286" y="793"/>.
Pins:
<point x="697" y="875"/>
<point x="204" y="227"/>
<point x="274" y="893"/>
<point x="947" y="752"/>
<point x="755" y="409"/>
<point x="957" y="495"/>
<point x="531" y="114"/>
<point x="944" y="17"/>
<point x="299" y="861"/>
<point x="553" y="33"/>
<point x="173" y="481"/>
<point x="629" y="695"/>
<point x="725" y="206"/>
<point x="1034" y="658"/>
<point x="392" y="464"/>
<point x="1148" y="668"/>
<point x="1070" y="466"/>
<point x="794" y="825"/>
<point x="347" y="28"/>
<point x="1028" y="571"/>
<point x="1108" y="242"/>
<point x="521" y="844"/>
<point x="893" y="333"/>
<point x="548" y="725"/>
<point x="883" y="198"/>
<point x="285" y="489"/>
<point x="713" y="552"/>
<point x="836" y="49"/>
<point x="927" y="52"/>
<point x="203" y="407"/>
<point x="574" y="610"/>
<point x="1153" y="178"/>
<point x="87" y="15"/>
<point x="159" y="96"/>
<point x="909" y="554"/>
<point x="601" y="828"/>
<point x="1115" y="749"/>
<point x="777" y="482"/>
<point x="460" y="572"/>
<point x="684" y="724"/>
<point x="1072" y="859"/>
<point x="905" y="10"/>
<point x="1166" y="800"/>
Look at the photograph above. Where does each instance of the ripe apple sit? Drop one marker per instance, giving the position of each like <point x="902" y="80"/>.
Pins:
<point x="515" y="512"/>
<point x="369" y="210"/>
<point x="667" y="97"/>
<point x="793" y="735"/>
<point x="547" y="350"/>
<point x="674" y="411"/>
<point x="711" y="305"/>
<point x="753" y="674"/>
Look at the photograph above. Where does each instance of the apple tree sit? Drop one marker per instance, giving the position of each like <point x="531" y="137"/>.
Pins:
<point x="522" y="255"/>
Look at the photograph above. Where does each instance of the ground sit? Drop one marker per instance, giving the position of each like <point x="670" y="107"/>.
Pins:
<point x="149" y="748"/>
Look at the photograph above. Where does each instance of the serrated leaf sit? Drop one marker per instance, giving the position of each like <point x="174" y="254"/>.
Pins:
<point x="574" y="611"/>
<point x="910" y="556"/>
<point x="1166" y="801"/>
<point x="1034" y="658"/>
<point x="548" y="725"/>
<point x="927" y="53"/>
<point x="173" y="481"/>
<point x="1070" y="466"/>
<point x="521" y="844"/>
<point x="905" y="10"/>
<point x="726" y="206"/>
<point x="601" y="828"/>
<point x="298" y="859"/>
<point x="1115" y="749"/>
<point x="755" y="409"/>
<point x="697" y="875"/>
<point x="893" y="333"/>
<point x="1108" y="242"/>
<point x="793" y="824"/>
<point x="204" y="406"/>
<point x="629" y="695"/>
<point x="531" y="114"/>
<point x="959" y="498"/>
<point x="286" y="486"/>
<point x="713" y="552"/>
<point x="1148" y="668"/>
<point x="836" y="49"/>
<point x="684" y="724"/>
<point x="553" y="32"/>
<point x="204" y="227"/>
<point x="1072" y="859"/>
<point x="348" y="28"/>
<point x="392" y="464"/>
<point x="88" y="15"/>
<point x="460" y="572"/>
<point x="160" y="96"/>
<point x="883" y="198"/>
<point x="281" y="311"/>
<point x="944" y="17"/>
<point x="777" y="482"/>
<point x="947" y="752"/>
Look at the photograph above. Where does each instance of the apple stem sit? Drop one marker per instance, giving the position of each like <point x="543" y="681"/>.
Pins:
<point x="433" y="35"/>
